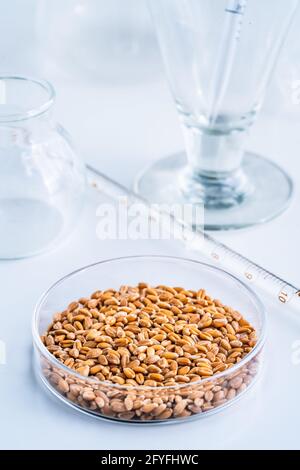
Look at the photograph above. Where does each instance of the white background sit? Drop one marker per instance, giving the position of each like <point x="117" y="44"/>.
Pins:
<point x="120" y="129"/>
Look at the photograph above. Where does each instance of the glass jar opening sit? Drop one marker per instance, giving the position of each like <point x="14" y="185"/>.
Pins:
<point x="23" y="98"/>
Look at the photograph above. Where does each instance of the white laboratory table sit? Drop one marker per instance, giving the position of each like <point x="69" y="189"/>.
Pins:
<point x="119" y="130"/>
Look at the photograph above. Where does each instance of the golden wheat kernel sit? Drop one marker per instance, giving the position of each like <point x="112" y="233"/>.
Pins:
<point x="88" y="362"/>
<point x="78" y="326"/>
<point x="63" y="386"/>
<point x="131" y="383"/>
<point x="137" y="404"/>
<point x="96" y="295"/>
<point x="162" y="363"/>
<point x="139" y="378"/>
<point x="170" y="374"/>
<point x="122" y="341"/>
<point x="105" y="371"/>
<point x="152" y="359"/>
<point x="209" y="396"/>
<point x="150" y="351"/>
<point x="170" y="355"/>
<point x="199" y="402"/>
<point x="117" y="406"/>
<point x="234" y="354"/>
<point x="94" y="353"/>
<point x="49" y="340"/>
<point x="184" y="414"/>
<point x="166" y="414"/>
<point x="125" y="360"/>
<point x="88" y="395"/>
<point x="152" y="368"/>
<point x="69" y="327"/>
<point x="128" y="402"/>
<point x="117" y="380"/>
<point x="71" y="336"/>
<point x="219" y="322"/>
<point x="104" y="345"/>
<point x="225" y="344"/>
<point x="179" y="407"/>
<point x="220" y="367"/>
<point x="74" y="353"/>
<point x="100" y="376"/>
<point x="129" y="373"/>
<point x="69" y="362"/>
<point x="148" y="407"/>
<point x="173" y="364"/>
<point x="183" y="370"/>
<point x="182" y="378"/>
<point x="183" y="361"/>
<point x="219" y="396"/>
<point x="155" y="376"/>
<point x="56" y="324"/>
<point x="159" y="409"/>
<point x="95" y="369"/>
<point x="75" y="389"/>
<point x="102" y="360"/>
<point x="83" y="370"/>
<point x="112" y="359"/>
<point x="150" y="383"/>
<point x="236" y="382"/>
<point x="93" y="303"/>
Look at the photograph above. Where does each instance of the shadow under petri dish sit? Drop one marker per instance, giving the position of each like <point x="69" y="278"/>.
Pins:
<point x="27" y="227"/>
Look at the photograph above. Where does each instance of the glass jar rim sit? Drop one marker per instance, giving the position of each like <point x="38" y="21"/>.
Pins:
<point x="32" y="111"/>
<point x="92" y="380"/>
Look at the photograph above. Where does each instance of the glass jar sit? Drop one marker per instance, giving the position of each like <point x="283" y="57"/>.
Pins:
<point x="42" y="179"/>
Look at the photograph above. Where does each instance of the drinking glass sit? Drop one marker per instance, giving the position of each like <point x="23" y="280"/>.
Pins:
<point x="42" y="179"/>
<point x="219" y="56"/>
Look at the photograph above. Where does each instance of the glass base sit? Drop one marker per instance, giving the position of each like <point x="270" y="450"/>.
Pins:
<point x="256" y="193"/>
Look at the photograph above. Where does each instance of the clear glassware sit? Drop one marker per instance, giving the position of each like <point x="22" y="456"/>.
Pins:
<point x="42" y="180"/>
<point x="96" y="40"/>
<point x="219" y="56"/>
<point x="203" y="397"/>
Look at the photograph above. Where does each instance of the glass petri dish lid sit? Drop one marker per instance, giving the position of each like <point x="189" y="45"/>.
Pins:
<point x="139" y="404"/>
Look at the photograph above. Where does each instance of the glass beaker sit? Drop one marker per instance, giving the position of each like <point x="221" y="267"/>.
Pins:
<point x="42" y="180"/>
<point x="219" y="56"/>
<point x="111" y="41"/>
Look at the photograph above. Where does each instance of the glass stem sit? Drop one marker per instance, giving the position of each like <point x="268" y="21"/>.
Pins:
<point x="215" y="173"/>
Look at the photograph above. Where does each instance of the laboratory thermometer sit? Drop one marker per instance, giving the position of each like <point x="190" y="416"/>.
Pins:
<point x="248" y="271"/>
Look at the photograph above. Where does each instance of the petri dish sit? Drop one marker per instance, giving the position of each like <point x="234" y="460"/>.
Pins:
<point x="201" y="398"/>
